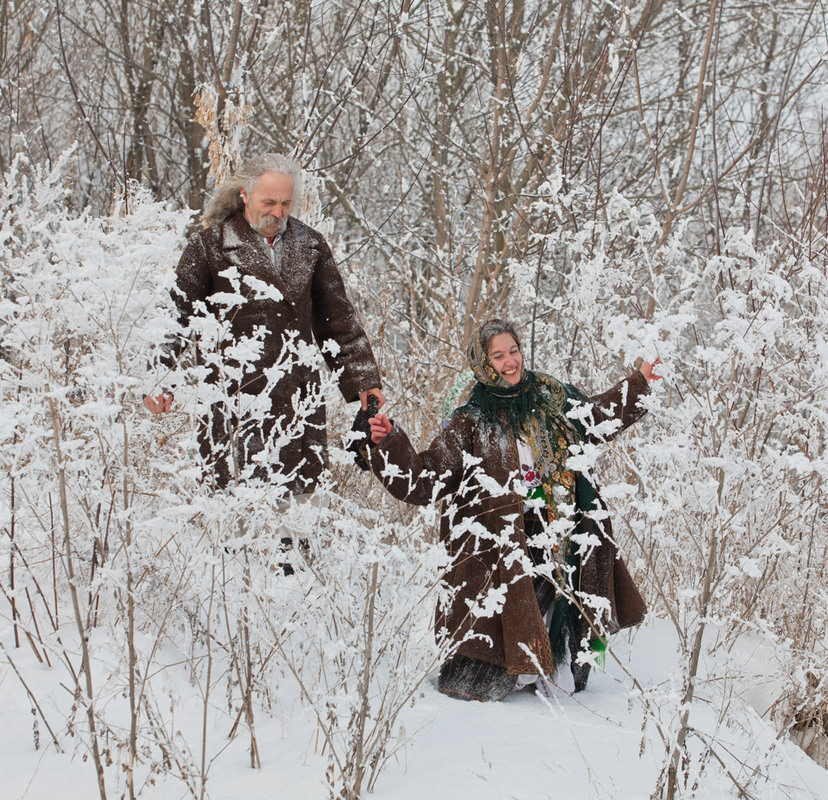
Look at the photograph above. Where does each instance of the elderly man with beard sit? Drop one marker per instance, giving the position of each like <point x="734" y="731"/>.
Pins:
<point x="263" y="274"/>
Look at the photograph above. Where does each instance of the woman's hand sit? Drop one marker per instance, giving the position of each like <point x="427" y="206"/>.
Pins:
<point x="647" y="370"/>
<point x="380" y="428"/>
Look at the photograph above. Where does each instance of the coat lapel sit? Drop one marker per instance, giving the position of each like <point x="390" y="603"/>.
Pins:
<point x="297" y="261"/>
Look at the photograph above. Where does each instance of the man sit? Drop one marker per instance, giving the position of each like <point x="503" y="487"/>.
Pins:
<point x="257" y="275"/>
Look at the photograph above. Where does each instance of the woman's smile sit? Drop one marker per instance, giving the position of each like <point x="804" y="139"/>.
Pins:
<point x="505" y="356"/>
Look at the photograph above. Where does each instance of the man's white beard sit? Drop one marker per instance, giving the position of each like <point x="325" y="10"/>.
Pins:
<point x="271" y="226"/>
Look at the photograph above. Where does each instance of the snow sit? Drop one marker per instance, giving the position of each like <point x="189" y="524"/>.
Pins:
<point x="586" y="745"/>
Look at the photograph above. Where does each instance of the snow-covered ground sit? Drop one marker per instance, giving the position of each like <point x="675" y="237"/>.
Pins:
<point x="594" y="744"/>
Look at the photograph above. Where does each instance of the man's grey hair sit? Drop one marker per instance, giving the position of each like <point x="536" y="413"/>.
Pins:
<point x="226" y="199"/>
<point x="494" y="327"/>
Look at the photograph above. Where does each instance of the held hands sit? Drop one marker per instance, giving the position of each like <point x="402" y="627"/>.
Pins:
<point x="363" y="398"/>
<point x="380" y="427"/>
<point x="646" y="370"/>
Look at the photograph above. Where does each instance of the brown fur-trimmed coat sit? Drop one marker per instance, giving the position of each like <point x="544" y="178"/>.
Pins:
<point x="313" y="303"/>
<point x="444" y="472"/>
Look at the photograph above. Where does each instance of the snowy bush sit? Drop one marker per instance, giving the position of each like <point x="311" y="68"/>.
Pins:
<point x="722" y="485"/>
<point x="129" y="574"/>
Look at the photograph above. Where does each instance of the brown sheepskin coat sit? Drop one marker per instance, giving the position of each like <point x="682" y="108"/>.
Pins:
<point x="310" y="299"/>
<point x="480" y="563"/>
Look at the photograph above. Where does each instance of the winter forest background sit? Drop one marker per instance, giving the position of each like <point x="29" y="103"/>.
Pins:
<point x="625" y="180"/>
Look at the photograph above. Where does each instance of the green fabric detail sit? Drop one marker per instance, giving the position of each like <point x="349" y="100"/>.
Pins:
<point x="512" y="405"/>
<point x="536" y="493"/>
<point x="598" y="645"/>
<point x="455" y="398"/>
<point x="560" y="629"/>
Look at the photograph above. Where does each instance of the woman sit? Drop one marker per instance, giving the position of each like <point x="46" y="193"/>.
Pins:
<point x="531" y="560"/>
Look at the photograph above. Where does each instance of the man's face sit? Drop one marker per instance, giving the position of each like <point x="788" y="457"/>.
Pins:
<point x="266" y="208"/>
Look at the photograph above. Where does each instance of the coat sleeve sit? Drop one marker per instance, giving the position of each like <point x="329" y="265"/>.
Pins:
<point x="603" y="416"/>
<point x="421" y="478"/>
<point x="193" y="283"/>
<point x="334" y="318"/>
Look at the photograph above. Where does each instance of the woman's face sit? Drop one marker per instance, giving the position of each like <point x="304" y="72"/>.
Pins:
<point x="505" y="357"/>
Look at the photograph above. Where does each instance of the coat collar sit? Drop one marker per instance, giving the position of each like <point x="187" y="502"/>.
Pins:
<point x="237" y="233"/>
<point x="247" y="250"/>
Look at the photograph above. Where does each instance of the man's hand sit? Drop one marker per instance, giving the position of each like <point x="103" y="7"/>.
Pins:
<point x="363" y="398"/>
<point x="380" y="428"/>
<point x="159" y="404"/>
